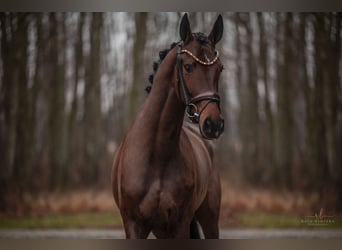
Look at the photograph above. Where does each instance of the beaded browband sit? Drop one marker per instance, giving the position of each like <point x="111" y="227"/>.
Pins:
<point x="199" y="60"/>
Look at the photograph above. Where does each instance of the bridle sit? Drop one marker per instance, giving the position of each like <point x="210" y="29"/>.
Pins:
<point x="191" y="102"/>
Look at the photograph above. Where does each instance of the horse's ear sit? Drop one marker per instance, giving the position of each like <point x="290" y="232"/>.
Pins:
<point x="185" y="30"/>
<point x="217" y="31"/>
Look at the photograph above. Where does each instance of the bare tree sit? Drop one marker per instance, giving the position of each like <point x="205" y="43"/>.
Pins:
<point x="57" y="119"/>
<point x="249" y="113"/>
<point x="8" y="96"/>
<point x="138" y="59"/>
<point x="74" y="134"/>
<point x="284" y="118"/>
<point x="92" y="102"/>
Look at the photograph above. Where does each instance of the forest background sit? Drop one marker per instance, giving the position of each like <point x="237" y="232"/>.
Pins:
<point x="71" y="83"/>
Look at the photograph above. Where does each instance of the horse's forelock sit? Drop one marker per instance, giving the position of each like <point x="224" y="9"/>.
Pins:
<point x="201" y="38"/>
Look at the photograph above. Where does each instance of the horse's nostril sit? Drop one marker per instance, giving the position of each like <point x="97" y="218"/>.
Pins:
<point x="213" y="128"/>
<point x="207" y="127"/>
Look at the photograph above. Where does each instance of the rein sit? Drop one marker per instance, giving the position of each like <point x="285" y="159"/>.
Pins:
<point x="190" y="103"/>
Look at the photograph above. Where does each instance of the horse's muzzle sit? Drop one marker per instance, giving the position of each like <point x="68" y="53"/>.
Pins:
<point x="212" y="129"/>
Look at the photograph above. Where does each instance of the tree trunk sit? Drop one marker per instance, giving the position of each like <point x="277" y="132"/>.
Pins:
<point x="36" y="88"/>
<point x="263" y="59"/>
<point x="74" y="134"/>
<point x="328" y="42"/>
<point x="319" y="154"/>
<point x="92" y="102"/>
<point x="57" y="125"/>
<point x="140" y="19"/>
<point x="307" y="91"/>
<point x="8" y="105"/>
<point x="249" y="114"/>
<point x="333" y="89"/>
<point x="63" y="149"/>
<point x="241" y="91"/>
<point x="338" y="142"/>
<point x="264" y="68"/>
<point x="285" y="122"/>
<point x="22" y="173"/>
<point x="7" y="98"/>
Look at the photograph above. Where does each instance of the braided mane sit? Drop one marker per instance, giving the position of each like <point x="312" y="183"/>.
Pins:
<point x="162" y="55"/>
<point x="199" y="36"/>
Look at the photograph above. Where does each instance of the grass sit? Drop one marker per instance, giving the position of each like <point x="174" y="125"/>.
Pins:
<point x="110" y="220"/>
<point x="262" y="220"/>
<point x="65" y="221"/>
<point x="240" y="208"/>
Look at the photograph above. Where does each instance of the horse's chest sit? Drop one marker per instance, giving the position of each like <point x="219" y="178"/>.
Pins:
<point x="167" y="197"/>
<point x="166" y="189"/>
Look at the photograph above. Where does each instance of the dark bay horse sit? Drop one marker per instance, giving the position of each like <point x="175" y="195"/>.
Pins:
<point x="163" y="179"/>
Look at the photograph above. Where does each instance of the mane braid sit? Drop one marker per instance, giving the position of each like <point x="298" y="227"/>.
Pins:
<point x="199" y="36"/>
<point x="162" y="55"/>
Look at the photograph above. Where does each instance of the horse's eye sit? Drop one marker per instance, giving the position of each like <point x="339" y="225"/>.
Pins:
<point x="187" y="67"/>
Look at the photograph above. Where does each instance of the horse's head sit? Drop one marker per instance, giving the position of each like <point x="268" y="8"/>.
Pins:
<point x="198" y="73"/>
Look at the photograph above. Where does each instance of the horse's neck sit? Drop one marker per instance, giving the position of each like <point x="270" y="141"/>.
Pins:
<point x="163" y="112"/>
<point x="170" y="121"/>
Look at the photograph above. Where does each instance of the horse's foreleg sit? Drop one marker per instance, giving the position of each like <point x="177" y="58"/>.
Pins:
<point x="135" y="231"/>
<point x="182" y="232"/>
<point x="194" y="232"/>
<point x="208" y="213"/>
<point x="176" y="231"/>
<point x="208" y="219"/>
